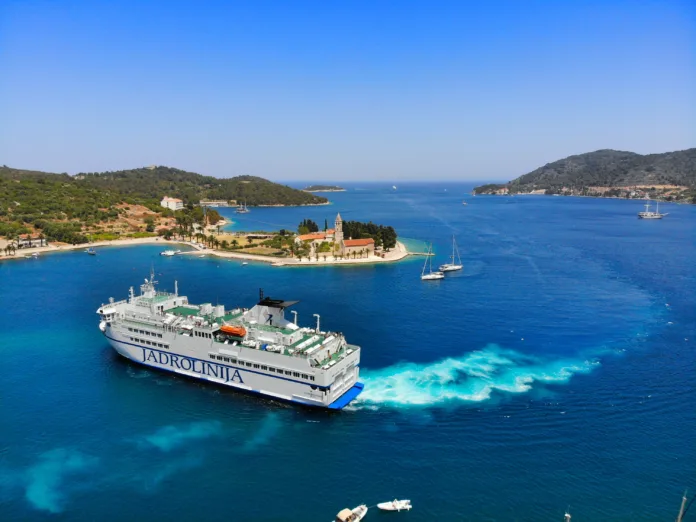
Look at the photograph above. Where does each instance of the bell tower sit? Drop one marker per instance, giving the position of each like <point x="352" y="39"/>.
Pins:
<point x="338" y="226"/>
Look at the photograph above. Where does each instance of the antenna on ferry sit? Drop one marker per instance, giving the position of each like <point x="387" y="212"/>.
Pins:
<point x="317" y="316"/>
<point x="260" y="294"/>
<point x="293" y="312"/>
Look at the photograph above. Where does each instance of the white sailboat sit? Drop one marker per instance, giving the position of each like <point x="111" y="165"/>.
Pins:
<point x="430" y="276"/>
<point x="451" y="267"/>
<point x="242" y="209"/>
<point x="648" y="214"/>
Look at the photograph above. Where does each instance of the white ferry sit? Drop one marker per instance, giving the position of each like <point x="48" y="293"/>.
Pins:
<point x="255" y="350"/>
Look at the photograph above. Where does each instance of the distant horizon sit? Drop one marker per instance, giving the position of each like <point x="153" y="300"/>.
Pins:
<point x="358" y="90"/>
<point x="329" y="180"/>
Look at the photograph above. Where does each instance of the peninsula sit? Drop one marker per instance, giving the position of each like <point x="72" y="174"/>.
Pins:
<point x="324" y="188"/>
<point x="39" y="207"/>
<point x="609" y="173"/>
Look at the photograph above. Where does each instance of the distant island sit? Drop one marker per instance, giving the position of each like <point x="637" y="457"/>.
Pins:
<point x="324" y="188"/>
<point x="609" y="173"/>
<point x="36" y="207"/>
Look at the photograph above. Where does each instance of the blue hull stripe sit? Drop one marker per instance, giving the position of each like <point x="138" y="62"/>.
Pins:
<point x="345" y="399"/>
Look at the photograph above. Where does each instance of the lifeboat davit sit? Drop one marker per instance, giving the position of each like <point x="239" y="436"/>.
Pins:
<point x="238" y="331"/>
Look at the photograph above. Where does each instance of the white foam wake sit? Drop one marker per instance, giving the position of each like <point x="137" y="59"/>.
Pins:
<point x="471" y="377"/>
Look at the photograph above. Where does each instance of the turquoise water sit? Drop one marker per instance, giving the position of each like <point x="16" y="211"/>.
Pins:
<point x="557" y="369"/>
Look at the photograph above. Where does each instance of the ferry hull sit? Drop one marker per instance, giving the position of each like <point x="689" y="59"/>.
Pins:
<point x="234" y="377"/>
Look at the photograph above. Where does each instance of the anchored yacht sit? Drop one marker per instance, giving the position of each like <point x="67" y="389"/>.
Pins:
<point x="451" y="267"/>
<point x="648" y="214"/>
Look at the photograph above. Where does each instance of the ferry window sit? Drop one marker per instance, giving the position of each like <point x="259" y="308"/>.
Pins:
<point x="295" y="374"/>
<point x="248" y="364"/>
<point x="233" y="360"/>
<point x="288" y="372"/>
<point x="271" y="370"/>
<point x="264" y="367"/>
<point x="304" y="376"/>
<point x="256" y="366"/>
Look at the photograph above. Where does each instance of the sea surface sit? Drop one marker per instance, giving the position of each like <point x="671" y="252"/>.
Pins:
<point x="556" y="370"/>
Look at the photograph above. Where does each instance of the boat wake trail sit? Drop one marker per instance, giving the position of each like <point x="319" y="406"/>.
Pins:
<point x="472" y="377"/>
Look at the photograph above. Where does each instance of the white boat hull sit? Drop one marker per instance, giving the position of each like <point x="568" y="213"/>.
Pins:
<point x="433" y="276"/>
<point x="395" y="505"/>
<point x="188" y="362"/>
<point x="450" y="268"/>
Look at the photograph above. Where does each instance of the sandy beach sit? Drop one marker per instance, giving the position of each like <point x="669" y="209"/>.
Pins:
<point x="396" y="254"/>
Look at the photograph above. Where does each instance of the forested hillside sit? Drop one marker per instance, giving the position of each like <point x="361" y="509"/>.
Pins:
<point x="93" y="202"/>
<point x="671" y="175"/>
<point x="610" y="168"/>
<point x="154" y="182"/>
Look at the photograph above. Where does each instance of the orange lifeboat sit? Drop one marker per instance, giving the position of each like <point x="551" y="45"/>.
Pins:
<point x="238" y="331"/>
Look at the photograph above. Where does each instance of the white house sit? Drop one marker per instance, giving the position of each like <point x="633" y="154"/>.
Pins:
<point x="172" y="203"/>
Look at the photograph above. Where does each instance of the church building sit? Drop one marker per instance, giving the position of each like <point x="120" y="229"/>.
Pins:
<point x="346" y="247"/>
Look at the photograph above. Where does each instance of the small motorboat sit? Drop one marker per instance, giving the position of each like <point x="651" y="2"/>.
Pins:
<point x="35" y="255"/>
<point x="91" y="252"/>
<point x="395" y="505"/>
<point x="167" y="253"/>
<point x="245" y="263"/>
<point x="352" y="515"/>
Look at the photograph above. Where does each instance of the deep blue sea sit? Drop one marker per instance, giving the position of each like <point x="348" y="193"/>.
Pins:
<point x="556" y="370"/>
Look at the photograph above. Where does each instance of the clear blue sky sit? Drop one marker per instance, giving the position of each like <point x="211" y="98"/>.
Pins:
<point x="342" y="90"/>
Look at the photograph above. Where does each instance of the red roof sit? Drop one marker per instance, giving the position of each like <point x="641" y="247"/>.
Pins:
<point x="358" y="242"/>
<point x="311" y="237"/>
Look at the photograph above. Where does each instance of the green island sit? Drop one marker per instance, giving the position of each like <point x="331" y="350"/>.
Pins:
<point x="42" y="211"/>
<point x="609" y="173"/>
<point x="324" y="188"/>
<point x="346" y="241"/>
<point x="36" y="207"/>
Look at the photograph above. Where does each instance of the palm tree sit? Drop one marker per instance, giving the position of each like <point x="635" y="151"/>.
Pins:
<point x="216" y="243"/>
<point x="218" y="229"/>
<point x="211" y="239"/>
<point x="249" y="240"/>
<point x="224" y="244"/>
<point x="41" y="239"/>
<point x="235" y="243"/>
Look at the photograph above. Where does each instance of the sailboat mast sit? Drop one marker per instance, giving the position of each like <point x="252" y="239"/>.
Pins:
<point x="681" y="509"/>
<point x="427" y="256"/>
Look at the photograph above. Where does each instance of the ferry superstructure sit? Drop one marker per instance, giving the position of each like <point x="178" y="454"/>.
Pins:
<point x="255" y="350"/>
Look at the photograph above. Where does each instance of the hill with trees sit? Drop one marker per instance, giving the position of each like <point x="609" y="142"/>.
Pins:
<point x="609" y="169"/>
<point x="68" y="207"/>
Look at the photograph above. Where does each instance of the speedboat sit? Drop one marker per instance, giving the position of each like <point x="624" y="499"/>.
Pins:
<point x="35" y="255"/>
<point x="91" y="252"/>
<point x="352" y="515"/>
<point x="395" y="505"/>
<point x="167" y="253"/>
<point x="244" y="263"/>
